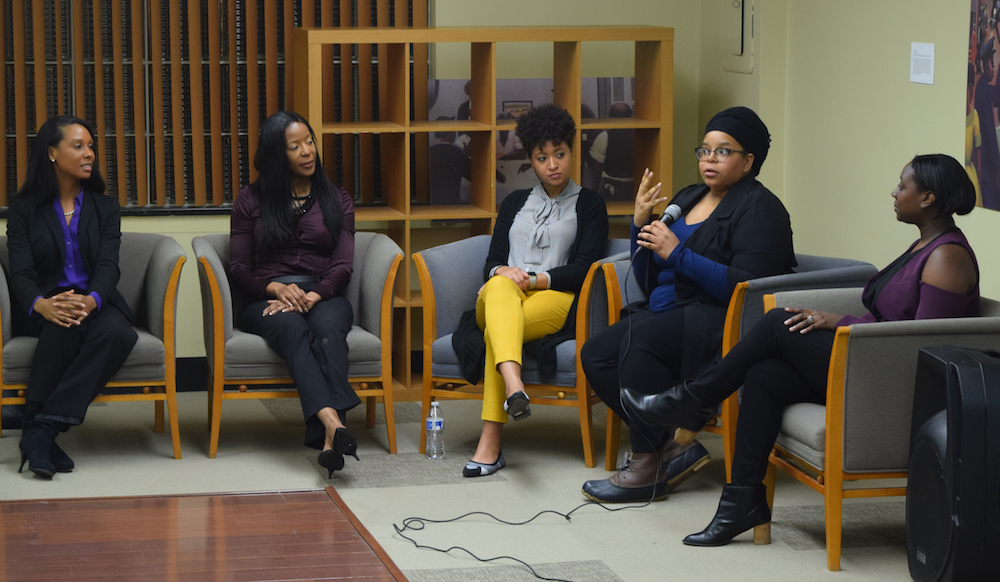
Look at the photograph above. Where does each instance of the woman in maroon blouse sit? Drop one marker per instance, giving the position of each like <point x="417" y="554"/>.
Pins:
<point x="291" y="250"/>
<point x="785" y="358"/>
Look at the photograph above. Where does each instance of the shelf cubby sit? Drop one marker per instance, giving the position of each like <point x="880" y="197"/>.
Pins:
<point x="404" y="133"/>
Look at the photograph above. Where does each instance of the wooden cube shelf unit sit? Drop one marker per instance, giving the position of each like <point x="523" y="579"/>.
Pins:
<point x="652" y="121"/>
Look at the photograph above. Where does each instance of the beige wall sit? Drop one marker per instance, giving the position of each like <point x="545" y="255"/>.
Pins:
<point x="831" y="80"/>
<point x="854" y="119"/>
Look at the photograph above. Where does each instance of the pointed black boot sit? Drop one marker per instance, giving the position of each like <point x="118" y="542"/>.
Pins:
<point x="741" y="508"/>
<point x="675" y="407"/>
<point x="36" y="447"/>
<point x="60" y="460"/>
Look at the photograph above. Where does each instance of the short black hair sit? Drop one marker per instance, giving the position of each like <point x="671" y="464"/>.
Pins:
<point x="545" y="123"/>
<point x="947" y="179"/>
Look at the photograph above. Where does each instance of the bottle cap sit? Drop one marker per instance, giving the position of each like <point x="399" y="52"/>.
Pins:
<point x="435" y="403"/>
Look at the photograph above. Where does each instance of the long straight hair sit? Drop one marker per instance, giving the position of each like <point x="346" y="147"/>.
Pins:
<point x="40" y="182"/>
<point x="274" y="189"/>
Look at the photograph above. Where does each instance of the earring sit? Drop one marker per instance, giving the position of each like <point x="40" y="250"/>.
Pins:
<point x="53" y="160"/>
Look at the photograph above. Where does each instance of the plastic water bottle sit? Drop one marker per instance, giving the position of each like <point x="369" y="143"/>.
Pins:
<point x="435" y="432"/>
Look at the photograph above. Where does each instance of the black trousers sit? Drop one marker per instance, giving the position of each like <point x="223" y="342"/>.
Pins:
<point x="314" y="347"/>
<point x="776" y="368"/>
<point x="71" y="365"/>
<point x="646" y="359"/>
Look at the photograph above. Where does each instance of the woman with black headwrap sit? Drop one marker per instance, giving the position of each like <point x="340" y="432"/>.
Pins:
<point x="732" y="229"/>
<point x="785" y="357"/>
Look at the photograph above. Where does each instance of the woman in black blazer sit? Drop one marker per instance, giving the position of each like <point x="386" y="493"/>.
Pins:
<point x="63" y="236"/>
<point x="731" y="229"/>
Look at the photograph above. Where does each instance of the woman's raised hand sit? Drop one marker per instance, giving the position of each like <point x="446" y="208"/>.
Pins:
<point x="646" y="197"/>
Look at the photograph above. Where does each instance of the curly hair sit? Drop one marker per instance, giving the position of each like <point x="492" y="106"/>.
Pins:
<point x="40" y="181"/>
<point x="947" y="179"/>
<point x="543" y="124"/>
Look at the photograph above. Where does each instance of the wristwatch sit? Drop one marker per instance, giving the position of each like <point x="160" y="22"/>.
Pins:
<point x="532" y="280"/>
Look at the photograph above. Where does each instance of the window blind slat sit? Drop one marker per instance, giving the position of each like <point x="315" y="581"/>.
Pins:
<point x="196" y="190"/>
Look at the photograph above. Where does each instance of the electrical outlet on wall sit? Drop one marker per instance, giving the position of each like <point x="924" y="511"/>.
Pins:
<point x="740" y="31"/>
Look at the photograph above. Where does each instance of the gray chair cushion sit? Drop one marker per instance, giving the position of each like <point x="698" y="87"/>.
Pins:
<point x="450" y="264"/>
<point x="803" y="432"/>
<point x="445" y="364"/>
<point x="146" y="262"/>
<point x="247" y="356"/>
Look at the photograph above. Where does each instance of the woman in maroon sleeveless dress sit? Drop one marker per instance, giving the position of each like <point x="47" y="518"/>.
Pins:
<point x="784" y="359"/>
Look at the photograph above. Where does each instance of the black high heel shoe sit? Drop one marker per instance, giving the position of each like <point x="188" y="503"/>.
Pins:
<point x="60" y="460"/>
<point x="675" y="407"/>
<point x="345" y="443"/>
<point x="35" y="446"/>
<point x="331" y="461"/>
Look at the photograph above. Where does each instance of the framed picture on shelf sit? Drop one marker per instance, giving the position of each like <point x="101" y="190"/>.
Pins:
<point x="516" y="108"/>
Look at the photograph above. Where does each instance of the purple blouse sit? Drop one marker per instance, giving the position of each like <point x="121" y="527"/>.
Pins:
<point x="313" y="254"/>
<point x="906" y="297"/>
<point x="74" y="271"/>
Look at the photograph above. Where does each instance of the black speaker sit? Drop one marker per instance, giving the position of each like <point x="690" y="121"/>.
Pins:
<point x="953" y="489"/>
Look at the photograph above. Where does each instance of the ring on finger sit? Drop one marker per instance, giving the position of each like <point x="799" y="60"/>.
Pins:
<point x="810" y="319"/>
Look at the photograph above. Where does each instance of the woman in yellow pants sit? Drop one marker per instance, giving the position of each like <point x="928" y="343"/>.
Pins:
<point x="544" y="242"/>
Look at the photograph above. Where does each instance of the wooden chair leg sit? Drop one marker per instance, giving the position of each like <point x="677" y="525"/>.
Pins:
<point x="370" y="412"/>
<point x="210" y="390"/>
<point x="175" y="432"/>
<point x="769" y="478"/>
<point x="158" y="416"/>
<point x="215" y="414"/>
<point x="614" y="434"/>
<point x="833" y="497"/>
<point x="390" y="414"/>
<point x="586" y="427"/>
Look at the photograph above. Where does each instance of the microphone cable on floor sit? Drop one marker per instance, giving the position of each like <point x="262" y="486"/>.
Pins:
<point x="420" y="523"/>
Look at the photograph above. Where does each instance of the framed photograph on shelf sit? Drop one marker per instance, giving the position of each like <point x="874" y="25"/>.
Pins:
<point x="516" y="108"/>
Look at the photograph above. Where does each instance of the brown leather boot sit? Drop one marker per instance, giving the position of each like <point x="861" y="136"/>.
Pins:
<point x="636" y="481"/>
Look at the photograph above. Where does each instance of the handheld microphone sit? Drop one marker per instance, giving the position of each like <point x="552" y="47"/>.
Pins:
<point x="671" y="214"/>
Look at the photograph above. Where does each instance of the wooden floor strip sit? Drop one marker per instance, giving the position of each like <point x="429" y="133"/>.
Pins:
<point x="299" y="535"/>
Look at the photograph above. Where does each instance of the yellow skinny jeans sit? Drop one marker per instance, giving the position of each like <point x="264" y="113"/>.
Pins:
<point x="509" y="317"/>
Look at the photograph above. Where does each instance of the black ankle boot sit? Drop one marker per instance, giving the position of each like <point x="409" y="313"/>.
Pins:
<point x="675" y="407"/>
<point x="36" y="443"/>
<point x="741" y="508"/>
<point x="60" y="460"/>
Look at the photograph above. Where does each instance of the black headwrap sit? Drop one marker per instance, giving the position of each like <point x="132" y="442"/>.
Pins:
<point x="746" y="128"/>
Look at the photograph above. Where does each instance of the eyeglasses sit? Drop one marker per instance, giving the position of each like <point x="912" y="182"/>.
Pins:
<point x="721" y="154"/>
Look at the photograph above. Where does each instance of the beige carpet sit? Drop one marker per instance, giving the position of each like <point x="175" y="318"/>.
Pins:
<point x="260" y="450"/>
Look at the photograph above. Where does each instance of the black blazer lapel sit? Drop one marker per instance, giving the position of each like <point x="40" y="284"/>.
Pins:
<point x="88" y="232"/>
<point x="48" y="216"/>
<point x="706" y="234"/>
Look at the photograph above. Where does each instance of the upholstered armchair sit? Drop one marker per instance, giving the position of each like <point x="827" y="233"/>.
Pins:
<point x="448" y="291"/>
<point x="240" y="362"/>
<point x="745" y="308"/>
<point x="863" y="431"/>
<point x="150" y="267"/>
